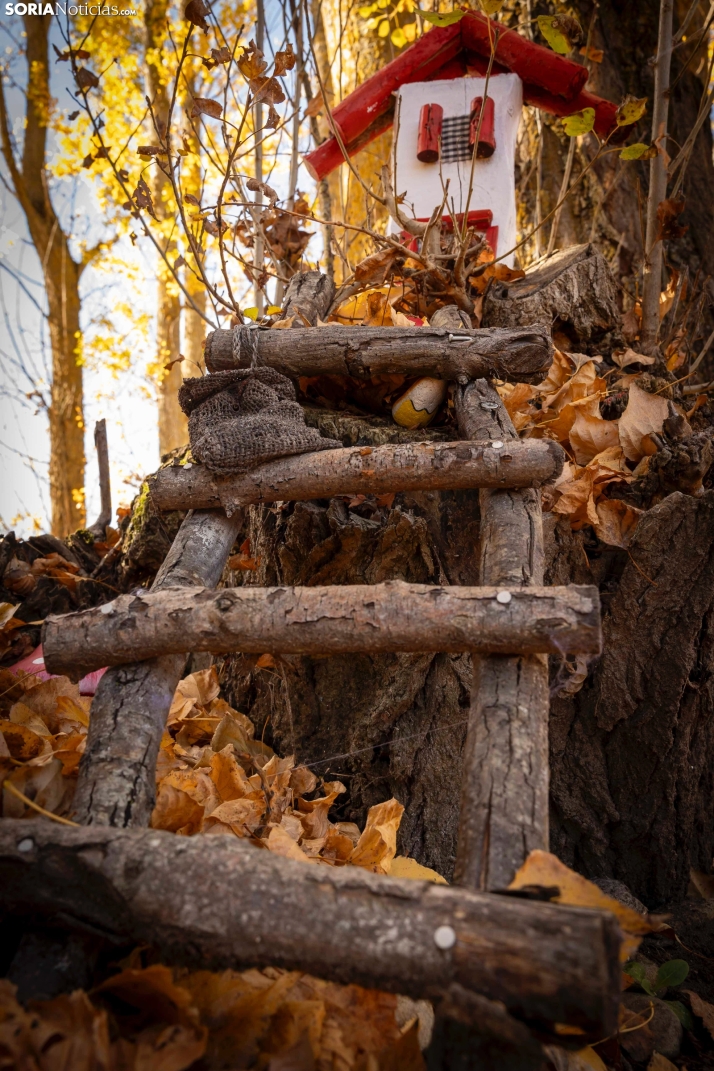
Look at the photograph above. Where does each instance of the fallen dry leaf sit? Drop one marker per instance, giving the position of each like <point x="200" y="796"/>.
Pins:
<point x="703" y="1009"/>
<point x="644" y="416"/>
<point x="616" y="522"/>
<point x="623" y="358"/>
<point x="377" y="845"/>
<point x="542" y="868"/>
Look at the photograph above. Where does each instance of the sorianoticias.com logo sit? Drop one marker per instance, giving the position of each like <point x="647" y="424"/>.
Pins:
<point x="67" y="9"/>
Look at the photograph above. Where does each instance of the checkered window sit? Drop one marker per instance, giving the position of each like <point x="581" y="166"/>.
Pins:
<point x="455" y="139"/>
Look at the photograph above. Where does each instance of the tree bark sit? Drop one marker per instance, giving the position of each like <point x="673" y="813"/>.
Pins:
<point x="631" y="753"/>
<point x="61" y="274"/>
<point x="549" y="963"/>
<point x="116" y="783"/>
<point x="504" y="801"/>
<point x="574" y="290"/>
<point x="173" y="424"/>
<point x="325" y="620"/>
<point x="365" y="470"/>
<point x="309" y="295"/>
<point x="520" y="354"/>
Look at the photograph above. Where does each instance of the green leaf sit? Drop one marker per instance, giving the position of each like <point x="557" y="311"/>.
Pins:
<point x="549" y="26"/>
<point x="673" y="972"/>
<point x="682" y="1013"/>
<point x="444" y="18"/>
<point x="490" y="7"/>
<point x="636" y="971"/>
<point x="631" y="110"/>
<point x="579" y="122"/>
<point x="251" y="313"/>
<point x="638" y="151"/>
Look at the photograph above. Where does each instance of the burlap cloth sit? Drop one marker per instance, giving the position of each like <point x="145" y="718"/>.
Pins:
<point x="239" y="419"/>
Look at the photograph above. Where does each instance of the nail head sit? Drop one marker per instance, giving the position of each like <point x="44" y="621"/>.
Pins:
<point x="497" y="444"/>
<point x="504" y="597"/>
<point x="26" y="844"/>
<point x="444" y="937"/>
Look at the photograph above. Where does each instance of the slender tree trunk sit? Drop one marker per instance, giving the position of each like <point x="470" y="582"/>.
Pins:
<point x="30" y="183"/>
<point x="173" y="428"/>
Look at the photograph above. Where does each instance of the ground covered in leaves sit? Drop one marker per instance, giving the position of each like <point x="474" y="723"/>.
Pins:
<point x="215" y="778"/>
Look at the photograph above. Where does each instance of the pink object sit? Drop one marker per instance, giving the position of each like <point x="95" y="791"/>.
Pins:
<point x="35" y="663"/>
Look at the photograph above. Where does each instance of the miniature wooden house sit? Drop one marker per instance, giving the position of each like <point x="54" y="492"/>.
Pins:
<point x="437" y="88"/>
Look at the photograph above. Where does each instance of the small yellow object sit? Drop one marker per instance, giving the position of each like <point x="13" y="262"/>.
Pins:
<point x="418" y="406"/>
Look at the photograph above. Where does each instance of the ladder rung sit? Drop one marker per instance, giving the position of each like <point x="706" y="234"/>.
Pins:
<point x="394" y="616"/>
<point x="366" y="470"/>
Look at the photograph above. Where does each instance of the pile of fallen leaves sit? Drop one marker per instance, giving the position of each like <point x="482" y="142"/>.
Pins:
<point x="215" y="778"/>
<point x="155" y="1019"/>
<point x="611" y="424"/>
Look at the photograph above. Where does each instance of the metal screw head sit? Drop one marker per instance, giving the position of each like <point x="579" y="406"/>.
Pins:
<point x="107" y="608"/>
<point x="497" y="444"/>
<point x="444" y="937"/>
<point x="26" y="844"/>
<point x="504" y="597"/>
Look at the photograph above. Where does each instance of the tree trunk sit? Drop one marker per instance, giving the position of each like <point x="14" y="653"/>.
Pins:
<point x="632" y="753"/>
<point x="173" y="425"/>
<point x="61" y="274"/>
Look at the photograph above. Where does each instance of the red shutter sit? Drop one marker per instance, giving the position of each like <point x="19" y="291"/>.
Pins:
<point x="428" y="142"/>
<point x="487" y="134"/>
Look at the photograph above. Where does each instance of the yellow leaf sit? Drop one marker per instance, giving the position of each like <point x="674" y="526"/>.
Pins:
<point x="377" y="845"/>
<point x="383" y="29"/>
<point x="542" y="868"/>
<point x="490" y="7"/>
<point x="631" y="110"/>
<point x="638" y="151"/>
<point x="579" y="122"/>
<point x="272" y="310"/>
<point x="643" y="417"/>
<point x="403" y="866"/>
<point x="251" y="313"/>
<point x="398" y="37"/>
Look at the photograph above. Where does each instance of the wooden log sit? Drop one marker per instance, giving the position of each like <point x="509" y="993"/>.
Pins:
<point x="308" y="297"/>
<point x="362" y="469"/>
<point x="575" y="287"/>
<point x="324" y="620"/>
<point x="117" y="774"/>
<point x="363" y="352"/>
<point x="220" y="902"/>
<point x="504" y="803"/>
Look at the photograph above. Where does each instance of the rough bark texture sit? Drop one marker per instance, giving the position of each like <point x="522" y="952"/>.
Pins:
<point x="631" y="754"/>
<point x="61" y="275"/>
<point x="520" y="354"/>
<point x="504" y="801"/>
<point x="544" y="962"/>
<point x="116" y="784"/>
<point x="408" y="467"/>
<point x="308" y="297"/>
<point x="573" y="291"/>
<point x="363" y="619"/>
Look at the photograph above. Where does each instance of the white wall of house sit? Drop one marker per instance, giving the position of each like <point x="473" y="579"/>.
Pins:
<point x="493" y="178"/>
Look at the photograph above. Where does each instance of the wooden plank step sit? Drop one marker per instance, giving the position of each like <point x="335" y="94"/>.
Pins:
<point x="520" y="353"/>
<point x="363" y="469"/>
<point x="325" y="620"/>
<point x="219" y="902"/>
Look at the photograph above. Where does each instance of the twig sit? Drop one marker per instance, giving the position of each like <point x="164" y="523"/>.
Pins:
<point x="36" y="807"/>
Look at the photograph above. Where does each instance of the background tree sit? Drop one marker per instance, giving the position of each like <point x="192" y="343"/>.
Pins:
<point x="28" y="174"/>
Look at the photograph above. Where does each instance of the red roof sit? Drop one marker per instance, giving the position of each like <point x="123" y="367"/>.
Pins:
<point x="550" y="82"/>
